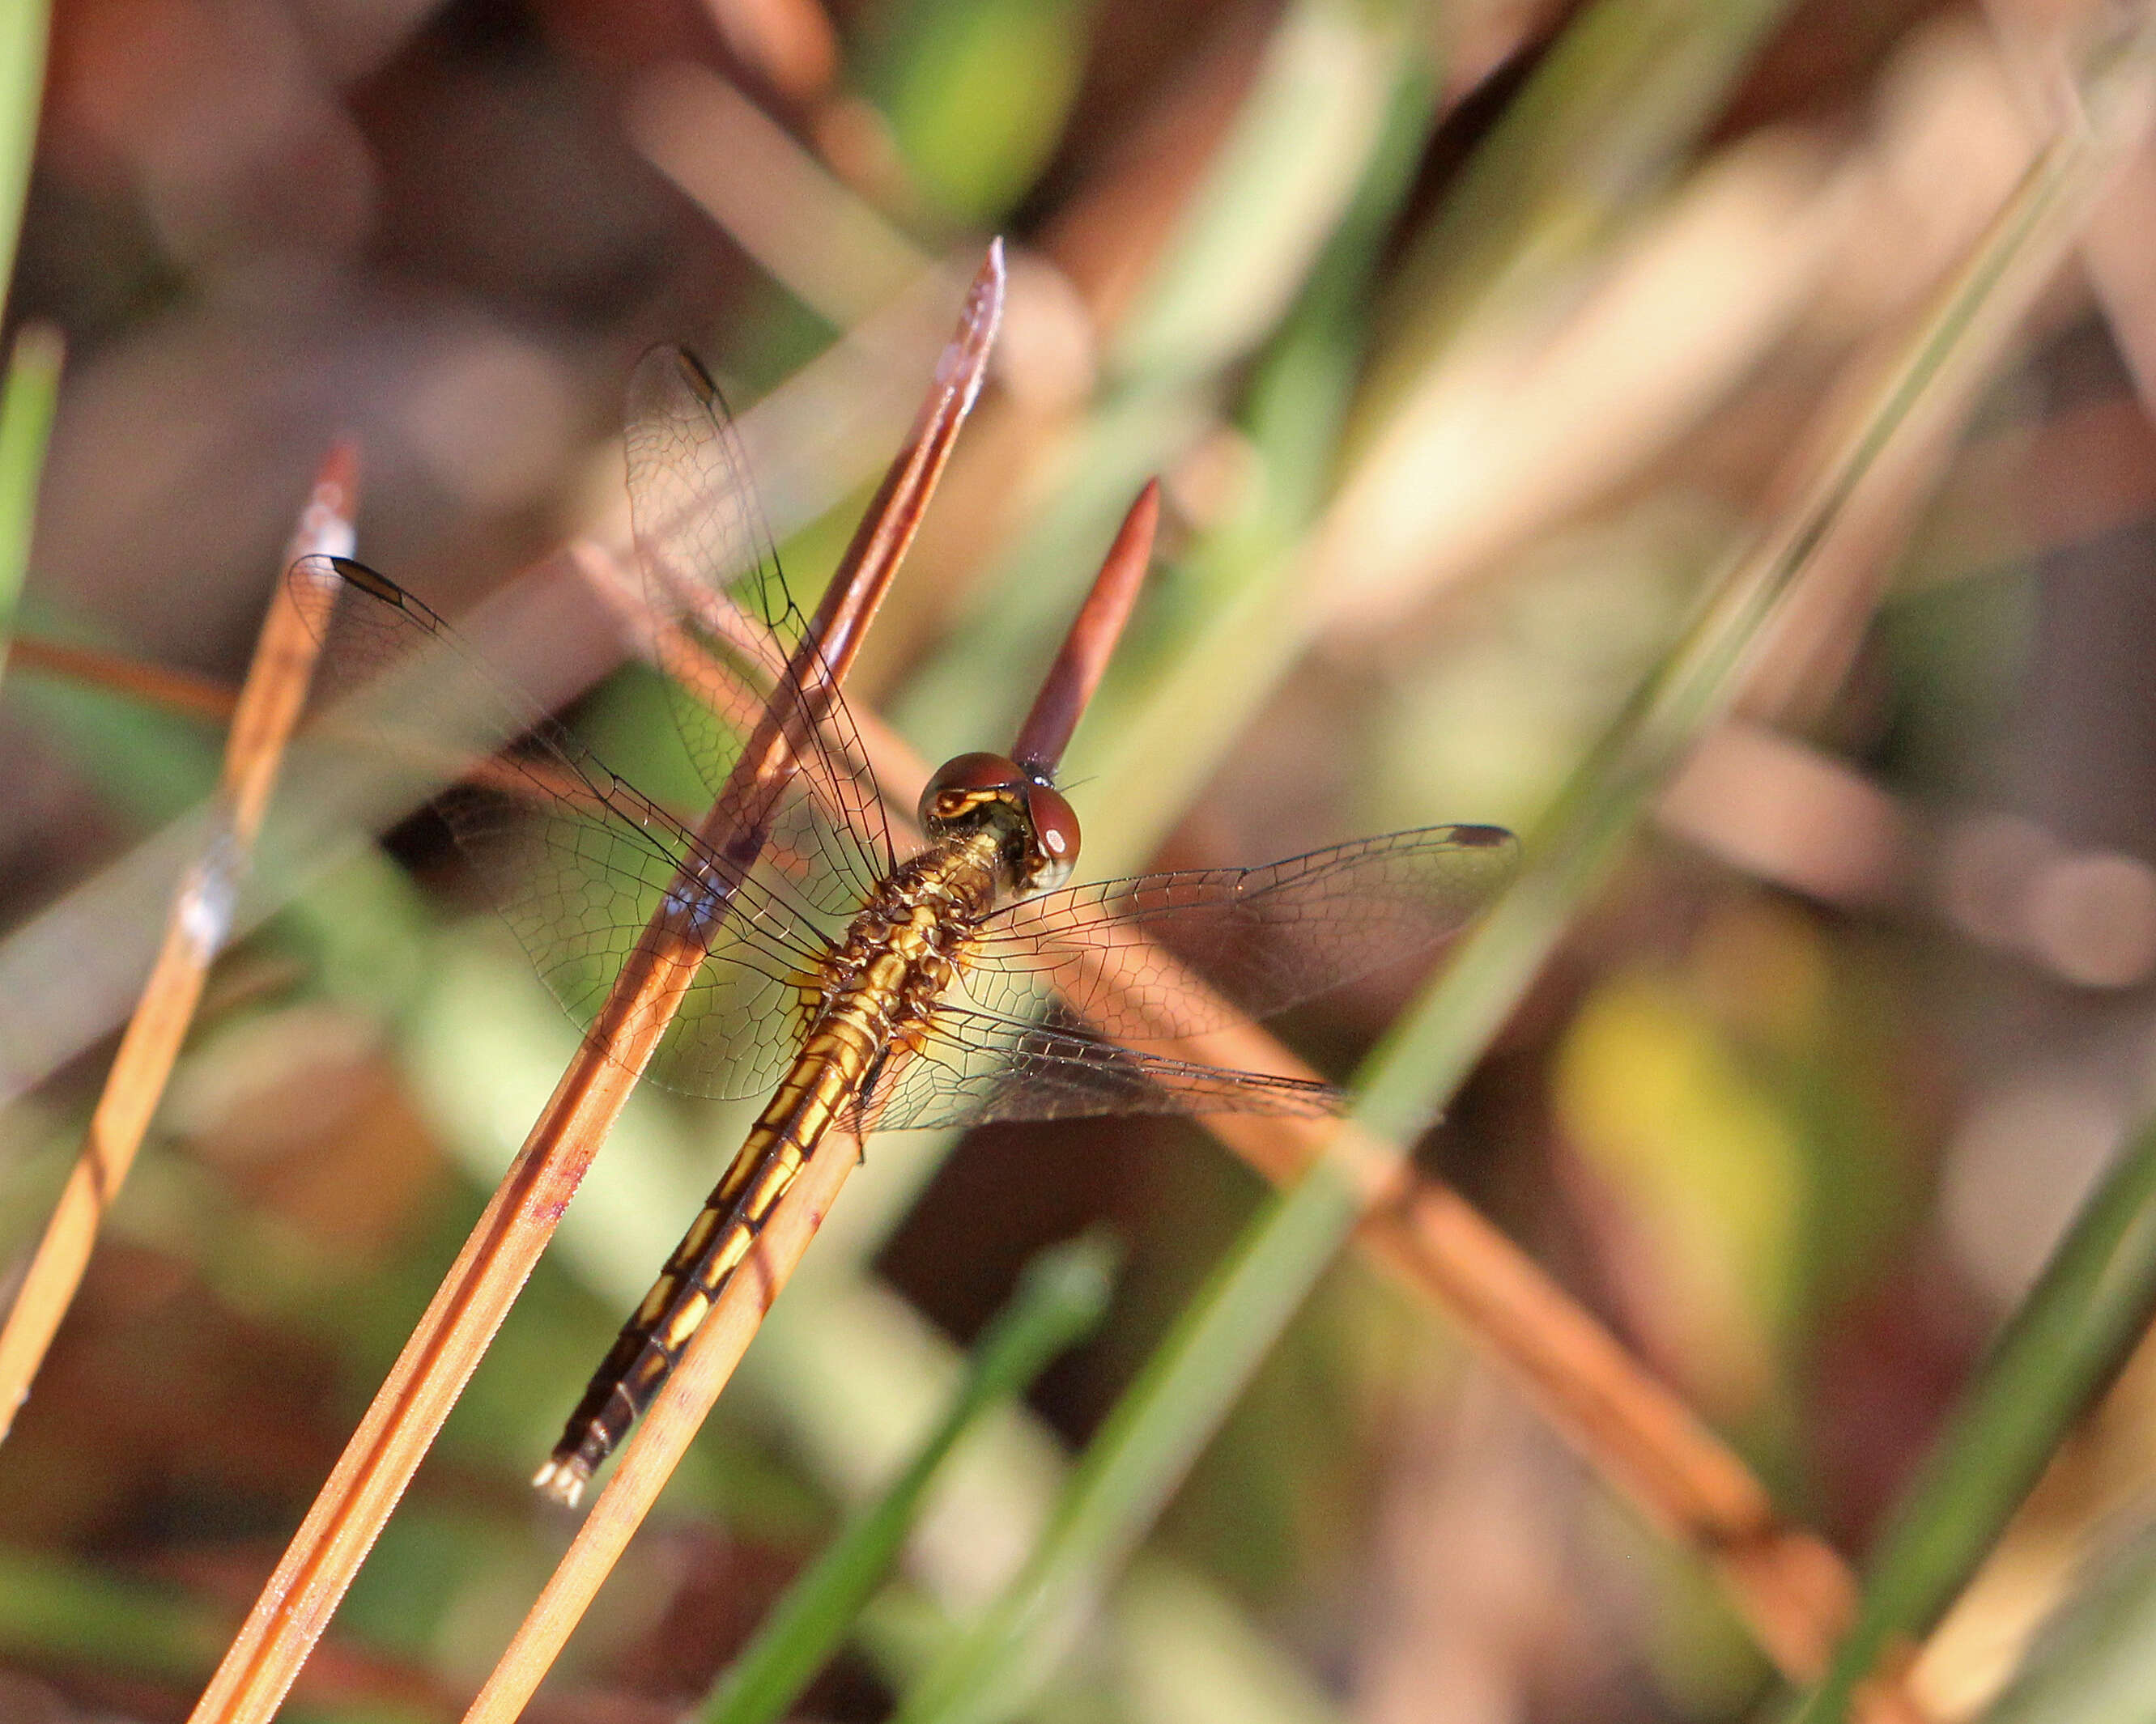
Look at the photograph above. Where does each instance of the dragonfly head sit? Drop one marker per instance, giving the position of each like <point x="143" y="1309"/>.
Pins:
<point x="1036" y="829"/>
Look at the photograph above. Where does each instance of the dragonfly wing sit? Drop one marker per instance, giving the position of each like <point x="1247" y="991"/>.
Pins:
<point x="577" y="860"/>
<point x="1258" y="940"/>
<point x="971" y="1067"/>
<point x="730" y="632"/>
<point x="578" y="890"/>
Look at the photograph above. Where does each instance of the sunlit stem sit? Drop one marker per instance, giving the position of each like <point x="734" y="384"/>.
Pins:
<point x="1068" y="686"/>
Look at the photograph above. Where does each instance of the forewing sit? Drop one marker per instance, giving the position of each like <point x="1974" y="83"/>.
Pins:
<point x="579" y="892"/>
<point x="971" y="1067"/>
<point x="577" y="860"/>
<point x="1122" y="956"/>
<point x="730" y="634"/>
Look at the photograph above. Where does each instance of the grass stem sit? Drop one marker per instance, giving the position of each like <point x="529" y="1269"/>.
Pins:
<point x="197" y="929"/>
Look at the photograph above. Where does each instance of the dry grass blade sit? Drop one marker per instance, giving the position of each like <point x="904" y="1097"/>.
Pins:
<point x="894" y="514"/>
<point x="191" y="696"/>
<point x="269" y="703"/>
<point x="175" y="691"/>
<point x="761" y="186"/>
<point x="461" y="1322"/>
<point x="674" y="1418"/>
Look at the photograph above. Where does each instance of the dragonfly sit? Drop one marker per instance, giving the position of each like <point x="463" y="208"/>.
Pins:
<point x="855" y="980"/>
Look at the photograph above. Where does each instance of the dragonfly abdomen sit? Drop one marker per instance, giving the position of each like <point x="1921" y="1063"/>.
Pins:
<point x="882" y="981"/>
<point x="813" y="1094"/>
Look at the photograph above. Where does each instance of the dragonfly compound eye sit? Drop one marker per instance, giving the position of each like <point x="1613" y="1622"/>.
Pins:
<point x="967" y="786"/>
<point x="1053" y="849"/>
<point x="1036" y="831"/>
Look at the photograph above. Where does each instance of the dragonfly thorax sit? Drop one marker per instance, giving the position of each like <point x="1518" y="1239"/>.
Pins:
<point x="1036" y="830"/>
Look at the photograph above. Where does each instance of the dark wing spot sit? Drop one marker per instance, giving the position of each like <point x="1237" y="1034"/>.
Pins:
<point x="700" y="380"/>
<point x="367" y="581"/>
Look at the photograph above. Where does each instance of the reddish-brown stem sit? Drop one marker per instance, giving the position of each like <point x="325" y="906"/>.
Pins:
<point x="737" y="828"/>
<point x="204" y="697"/>
<point x="1068" y="688"/>
<point x="663" y="1434"/>
<point x="893" y="513"/>
<point x="176" y="691"/>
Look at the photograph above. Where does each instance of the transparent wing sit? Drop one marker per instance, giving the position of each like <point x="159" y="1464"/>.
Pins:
<point x="1258" y="939"/>
<point x="970" y="1067"/>
<point x="576" y="859"/>
<point x="730" y="634"/>
<point x="1060" y="994"/>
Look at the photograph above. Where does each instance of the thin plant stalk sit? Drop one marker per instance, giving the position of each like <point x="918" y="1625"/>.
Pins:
<point x="2067" y="1339"/>
<point x="196" y="930"/>
<point x="668" y="1426"/>
<point x="1148" y="1442"/>
<point x="178" y="691"/>
<point x="665" y="1430"/>
<point x="27" y="400"/>
<point x="443" y="1351"/>
<point x="2089" y="1663"/>
<point x="1069" y="686"/>
<point x="1060" y="1300"/>
<point x="188" y="696"/>
<point x="24" y="27"/>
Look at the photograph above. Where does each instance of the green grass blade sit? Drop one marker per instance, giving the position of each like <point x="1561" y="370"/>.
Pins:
<point x="26" y="402"/>
<point x="978" y="92"/>
<point x="1141" y="1454"/>
<point x="1060" y="1299"/>
<point x="2067" y="1339"/>
<point x="24" y="25"/>
<point x="31" y="389"/>
<point x="1621" y="98"/>
<point x="149" y="763"/>
<point x="1276" y="190"/>
<point x="1429" y="1051"/>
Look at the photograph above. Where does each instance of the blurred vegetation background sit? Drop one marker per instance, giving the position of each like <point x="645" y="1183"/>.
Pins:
<point x="1471" y="339"/>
